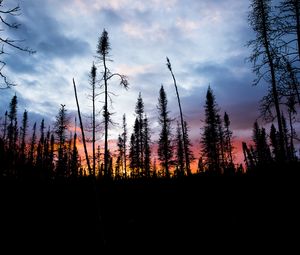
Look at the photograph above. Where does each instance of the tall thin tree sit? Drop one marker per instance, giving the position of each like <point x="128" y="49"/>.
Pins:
<point x="211" y="135"/>
<point x="179" y="154"/>
<point x="103" y="49"/>
<point x="93" y="98"/>
<point x="13" y="124"/>
<point x="82" y="131"/>
<point x="181" y="118"/>
<point x="124" y="138"/>
<point x="264" y="55"/>
<point x="165" y="148"/>
<point x="147" y="148"/>
<point x="4" y="127"/>
<point x="228" y="139"/>
<point x="189" y="152"/>
<point x="32" y="146"/>
<point x="23" y="136"/>
<point x="61" y="126"/>
<point x="139" y="111"/>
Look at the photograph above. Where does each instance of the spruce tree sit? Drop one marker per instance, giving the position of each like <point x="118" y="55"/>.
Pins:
<point x="40" y="147"/>
<point x="228" y="140"/>
<point x="32" y="146"/>
<point x="132" y="155"/>
<point x="61" y="126"/>
<point x="23" y="137"/>
<point x="103" y="49"/>
<point x="124" y="138"/>
<point x="93" y="98"/>
<point x="211" y="136"/>
<point x="139" y="111"/>
<point x="12" y="130"/>
<point x="147" y="148"/>
<point x="165" y="148"/>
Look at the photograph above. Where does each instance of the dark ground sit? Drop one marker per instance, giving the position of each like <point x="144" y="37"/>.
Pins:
<point x="199" y="215"/>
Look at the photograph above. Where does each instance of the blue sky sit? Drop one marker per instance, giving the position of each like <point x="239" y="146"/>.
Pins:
<point x="205" y="41"/>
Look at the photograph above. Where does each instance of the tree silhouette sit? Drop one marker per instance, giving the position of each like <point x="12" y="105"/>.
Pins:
<point x="274" y="139"/>
<point x="4" y="130"/>
<point x="287" y="79"/>
<point x="188" y="151"/>
<point x="124" y="139"/>
<point x="210" y="140"/>
<point x="262" y="150"/>
<point x="61" y="126"/>
<point x="75" y="155"/>
<point x="289" y="25"/>
<point x="12" y="129"/>
<point x="185" y="147"/>
<point x="134" y="153"/>
<point x="286" y="135"/>
<point x="31" y="156"/>
<point x="12" y="135"/>
<point x="200" y="167"/>
<point x="82" y="130"/>
<point x="51" y="155"/>
<point x="48" y="154"/>
<point x="228" y="141"/>
<point x="179" y="154"/>
<point x="93" y="98"/>
<point x="5" y="13"/>
<point x="264" y="55"/>
<point x="289" y="34"/>
<point x="103" y="49"/>
<point x="23" y="136"/>
<point x="146" y="145"/>
<point x="291" y="103"/>
<point x="248" y="157"/>
<point x="99" y="164"/>
<point x="165" y="148"/>
<point x="120" y="157"/>
<point x="139" y="131"/>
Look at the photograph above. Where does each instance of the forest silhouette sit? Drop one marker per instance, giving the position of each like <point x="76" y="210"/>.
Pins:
<point x="54" y="198"/>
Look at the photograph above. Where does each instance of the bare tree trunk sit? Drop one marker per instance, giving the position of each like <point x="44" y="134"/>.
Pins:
<point x="103" y="48"/>
<point x="82" y="131"/>
<point x="181" y="120"/>
<point x="124" y="143"/>
<point x="106" y="119"/>
<point x="94" y="128"/>
<point x="292" y="148"/>
<point x="274" y="85"/>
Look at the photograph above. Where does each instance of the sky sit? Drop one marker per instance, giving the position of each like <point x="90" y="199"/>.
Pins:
<point x="204" y="40"/>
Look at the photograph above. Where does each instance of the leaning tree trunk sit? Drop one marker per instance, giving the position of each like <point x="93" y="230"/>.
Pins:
<point x="82" y="131"/>
<point x="181" y="121"/>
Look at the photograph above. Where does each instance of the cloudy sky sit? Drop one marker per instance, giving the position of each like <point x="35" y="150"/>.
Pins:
<point x="204" y="39"/>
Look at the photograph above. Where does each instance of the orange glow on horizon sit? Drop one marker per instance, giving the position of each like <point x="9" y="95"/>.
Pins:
<point x="238" y="156"/>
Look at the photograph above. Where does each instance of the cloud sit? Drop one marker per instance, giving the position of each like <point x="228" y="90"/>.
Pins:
<point x="205" y="41"/>
<point x="44" y="34"/>
<point x="186" y="25"/>
<point x="153" y="32"/>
